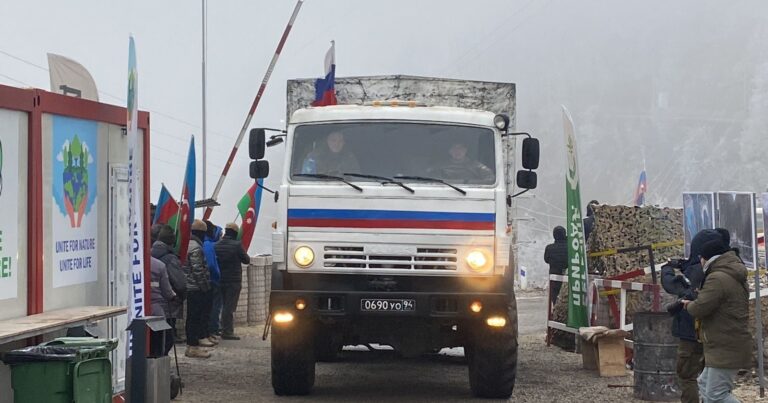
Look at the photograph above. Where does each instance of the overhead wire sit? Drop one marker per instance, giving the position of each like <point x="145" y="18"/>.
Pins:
<point x="116" y="97"/>
<point x="476" y="57"/>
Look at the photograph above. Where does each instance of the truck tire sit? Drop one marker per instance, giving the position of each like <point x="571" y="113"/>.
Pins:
<point x="492" y="360"/>
<point x="293" y="361"/>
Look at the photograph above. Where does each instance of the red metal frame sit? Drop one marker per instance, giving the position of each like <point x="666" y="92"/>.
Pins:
<point x="36" y="102"/>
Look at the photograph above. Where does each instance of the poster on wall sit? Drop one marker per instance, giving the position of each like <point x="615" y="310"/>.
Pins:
<point x="698" y="214"/>
<point x="9" y="199"/>
<point x="764" y="205"/>
<point x="736" y="213"/>
<point x="74" y="212"/>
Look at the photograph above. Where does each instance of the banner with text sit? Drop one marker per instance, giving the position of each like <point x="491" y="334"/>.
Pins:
<point x="9" y="199"/>
<point x="75" y="221"/>
<point x="134" y="203"/>
<point x="577" y="263"/>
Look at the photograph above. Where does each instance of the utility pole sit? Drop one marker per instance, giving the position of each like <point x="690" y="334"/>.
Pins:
<point x="205" y="51"/>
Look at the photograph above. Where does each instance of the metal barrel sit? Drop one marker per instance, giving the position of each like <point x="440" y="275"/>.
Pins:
<point x="655" y="352"/>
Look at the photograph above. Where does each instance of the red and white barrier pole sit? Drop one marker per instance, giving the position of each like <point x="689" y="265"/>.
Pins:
<point x="255" y="104"/>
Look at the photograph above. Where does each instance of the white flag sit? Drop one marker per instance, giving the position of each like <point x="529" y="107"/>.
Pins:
<point x="69" y="77"/>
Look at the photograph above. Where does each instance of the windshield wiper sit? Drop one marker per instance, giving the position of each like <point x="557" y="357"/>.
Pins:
<point x="384" y="180"/>
<point x="331" y="178"/>
<point x="433" y="180"/>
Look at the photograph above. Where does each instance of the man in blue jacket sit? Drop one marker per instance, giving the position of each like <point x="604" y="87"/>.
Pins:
<point x="212" y="236"/>
<point x="683" y="279"/>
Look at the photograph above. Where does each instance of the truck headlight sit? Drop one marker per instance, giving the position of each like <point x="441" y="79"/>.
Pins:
<point x="478" y="261"/>
<point x="303" y="256"/>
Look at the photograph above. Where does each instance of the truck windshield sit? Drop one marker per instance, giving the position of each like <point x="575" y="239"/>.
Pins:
<point x="454" y="154"/>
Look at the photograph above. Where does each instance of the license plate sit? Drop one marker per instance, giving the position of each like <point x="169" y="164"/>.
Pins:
<point x="388" y="305"/>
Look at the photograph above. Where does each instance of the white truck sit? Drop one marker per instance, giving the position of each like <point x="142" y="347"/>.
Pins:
<point x="395" y="225"/>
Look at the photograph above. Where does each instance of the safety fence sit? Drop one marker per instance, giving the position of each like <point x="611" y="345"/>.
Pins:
<point x="606" y="289"/>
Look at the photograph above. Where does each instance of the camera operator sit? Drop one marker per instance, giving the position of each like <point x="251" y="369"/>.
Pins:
<point x="683" y="278"/>
<point x="722" y="311"/>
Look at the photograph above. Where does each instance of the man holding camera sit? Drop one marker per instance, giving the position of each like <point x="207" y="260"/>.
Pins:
<point x="721" y="309"/>
<point x="683" y="278"/>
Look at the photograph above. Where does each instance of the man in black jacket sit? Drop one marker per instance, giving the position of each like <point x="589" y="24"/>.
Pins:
<point x="556" y="255"/>
<point x="231" y="257"/>
<point x="684" y="284"/>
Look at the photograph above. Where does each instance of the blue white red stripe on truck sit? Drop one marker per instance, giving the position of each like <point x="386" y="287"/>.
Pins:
<point x="390" y="219"/>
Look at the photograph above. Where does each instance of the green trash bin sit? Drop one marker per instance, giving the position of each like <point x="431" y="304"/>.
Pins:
<point x="61" y="374"/>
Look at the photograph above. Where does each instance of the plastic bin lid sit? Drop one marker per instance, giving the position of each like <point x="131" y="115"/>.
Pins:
<point x="90" y="342"/>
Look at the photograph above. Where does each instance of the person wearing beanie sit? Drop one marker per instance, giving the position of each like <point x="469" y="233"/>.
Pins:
<point x="232" y="257"/>
<point x="163" y="244"/>
<point x="683" y="280"/>
<point x="556" y="255"/>
<point x="198" y="286"/>
<point x="722" y="311"/>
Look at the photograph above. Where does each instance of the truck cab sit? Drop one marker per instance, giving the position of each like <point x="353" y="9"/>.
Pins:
<point x="392" y="229"/>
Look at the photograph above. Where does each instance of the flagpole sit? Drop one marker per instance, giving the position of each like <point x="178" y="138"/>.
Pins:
<point x="205" y="51"/>
<point x="254" y="105"/>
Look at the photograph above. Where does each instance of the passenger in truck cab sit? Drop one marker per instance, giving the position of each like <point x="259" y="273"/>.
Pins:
<point x="331" y="158"/>
<point x="460" y="167"/>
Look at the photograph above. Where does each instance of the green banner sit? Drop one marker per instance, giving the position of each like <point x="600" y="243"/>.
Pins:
<point x="577" y="264"/>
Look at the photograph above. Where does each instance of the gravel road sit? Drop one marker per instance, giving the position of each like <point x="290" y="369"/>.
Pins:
<point x="239" y="371"/>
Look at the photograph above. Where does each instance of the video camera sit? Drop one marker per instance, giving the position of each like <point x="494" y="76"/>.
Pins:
<point x="676" y="263"/>
<point x="675" y="307"/>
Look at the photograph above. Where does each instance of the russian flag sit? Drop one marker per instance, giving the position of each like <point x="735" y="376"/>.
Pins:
<point x="325" y="93"/>
<point x="640" y="192"/>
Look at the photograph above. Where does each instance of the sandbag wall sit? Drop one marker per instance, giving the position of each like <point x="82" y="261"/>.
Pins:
<point x="622" y="227"/>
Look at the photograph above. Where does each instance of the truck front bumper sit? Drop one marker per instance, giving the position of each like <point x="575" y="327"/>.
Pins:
<point x="352" y="304"/>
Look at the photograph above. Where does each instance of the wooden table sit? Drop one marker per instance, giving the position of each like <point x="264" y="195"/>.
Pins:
<point x="51" y="321"/>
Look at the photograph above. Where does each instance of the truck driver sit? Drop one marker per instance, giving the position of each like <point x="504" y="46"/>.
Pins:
<point x="330" y="160"/>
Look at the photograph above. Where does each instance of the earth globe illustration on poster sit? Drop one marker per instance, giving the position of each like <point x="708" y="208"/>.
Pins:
<point x="1" y="167"/>
<point x="75" y="157"/>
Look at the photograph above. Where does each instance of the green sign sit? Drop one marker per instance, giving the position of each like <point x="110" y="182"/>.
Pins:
<point x="577" y="264"/>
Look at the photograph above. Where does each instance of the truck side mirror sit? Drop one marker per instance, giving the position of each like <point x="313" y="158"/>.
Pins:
<point x="530" y="155"/>
<point x="259" y="169"/>
<point x="256" y="141"/>
<point x="527" y="179"/>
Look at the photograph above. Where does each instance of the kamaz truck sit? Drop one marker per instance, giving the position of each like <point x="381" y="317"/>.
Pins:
<point x="395" y="225"/>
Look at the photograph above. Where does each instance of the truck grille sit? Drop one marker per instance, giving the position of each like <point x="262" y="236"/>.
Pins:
<point x="356" y="257"/>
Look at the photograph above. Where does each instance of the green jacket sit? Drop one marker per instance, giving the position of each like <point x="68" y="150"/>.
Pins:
<point x="722" y="308"/>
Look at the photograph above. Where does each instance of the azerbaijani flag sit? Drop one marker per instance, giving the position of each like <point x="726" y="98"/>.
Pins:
<point x="640" y="191"/>
<point x="167" y="209"/>
<point x="248" y="207"/>
<point x="186" y="206"/>
<point x="325" y="93"/>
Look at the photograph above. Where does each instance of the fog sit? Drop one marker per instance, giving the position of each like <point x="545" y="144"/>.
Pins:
<point x="678" y="87"/>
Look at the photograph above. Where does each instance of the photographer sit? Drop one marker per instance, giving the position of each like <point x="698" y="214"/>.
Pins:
<point x="722" y="311"/>
<point x="683" y="278"/>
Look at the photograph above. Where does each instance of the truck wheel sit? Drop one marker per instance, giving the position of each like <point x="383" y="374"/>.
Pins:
<point x="293" y="361"/>
<point x="493" y="363"/>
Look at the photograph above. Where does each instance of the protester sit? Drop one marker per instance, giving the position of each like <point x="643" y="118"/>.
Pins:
<point x="198" y="288"/>
<point x="161" y="294"/>
<point x="163" y="249"/>
<point x="212" y="235"/>
<point x="231" y="257"/>
<point x="556" y="255"/>
<point x="686" y="284"/>
<point x="722" y="310"/>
